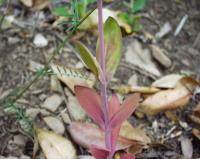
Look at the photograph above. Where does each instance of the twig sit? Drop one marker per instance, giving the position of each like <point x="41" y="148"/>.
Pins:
<point x="181" y="24"/>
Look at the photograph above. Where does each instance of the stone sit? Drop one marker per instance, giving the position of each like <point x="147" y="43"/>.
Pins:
<point x="76" y="111"/>
<point x="55" y="124"/>
<point x="65" y="117"/>
<point x="40" y="41"/>
<point x="19" y="140"/>
<point x="32" y="112"/>
<point x="52" y="103"/>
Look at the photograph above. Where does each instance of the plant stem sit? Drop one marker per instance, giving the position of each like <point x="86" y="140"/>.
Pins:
<point x="102" y="58"/>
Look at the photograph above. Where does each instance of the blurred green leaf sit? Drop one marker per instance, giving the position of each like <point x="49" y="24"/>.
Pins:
<point x="82" y="7"/>
<point x="88" y="58"/>
<point x="2" y="2"/>
<point x="132" y="20"/>
<point x="138" y="5"/>
<point x="62" y="11"/>
<point x="113" y="45"/>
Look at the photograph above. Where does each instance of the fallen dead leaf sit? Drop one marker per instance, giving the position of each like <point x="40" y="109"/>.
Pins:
<point x="35" y="4"/>
<point x="166" y="100"/>
<point x="161" y="56"/>
<point x="28" y="3"/>
<point x="141" y="58"/>
<point x="92" y="20"/>
<point x="189" y="82"/>
<point x="196" y="132"/>
<point x="55" y="146"/>
<point x="133" y="80"/>
<point x="134" y="133"/>
<point x="125" y="89"/>
<point x="195" y="117"/>
<point x="172" y="115"/>
<point x="72" y="77"/>
<point x="168" y="81"/>
<point x="197" y="109"/>
<point x="87" y="135"/>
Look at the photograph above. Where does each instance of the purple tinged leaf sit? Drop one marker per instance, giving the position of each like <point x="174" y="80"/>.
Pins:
<point x="114" y="136"/>
<point x="127" y="156"/>
<point x="99" y="153"/>
<point x="113" y="105"/>
<point x="91" y="103"/>
<point x="86" y="135"/>
<point x="127" y="108"/>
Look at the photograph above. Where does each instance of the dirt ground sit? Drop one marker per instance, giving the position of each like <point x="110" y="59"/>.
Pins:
<point x="17" y="51"/>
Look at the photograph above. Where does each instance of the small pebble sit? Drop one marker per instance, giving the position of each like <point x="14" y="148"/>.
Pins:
<point x="76" y="111"/>
<point x="40" y="41"/>
<point x="52" y="103"/>
<point x="55" y="124"/>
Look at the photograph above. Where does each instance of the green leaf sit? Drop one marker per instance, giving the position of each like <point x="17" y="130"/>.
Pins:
<point x="88" y="58"/>
<point x="113" y="45"/>
<point x="138" y="5"/>
<point x="132" y="20"/>
<point x="2" y="2"/>
<point x="82" y="6"/>
<point x="61" y="11"/>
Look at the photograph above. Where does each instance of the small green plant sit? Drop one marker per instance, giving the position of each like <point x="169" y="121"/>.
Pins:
<point x="2" y="2"/>
<point x="130" y="17"/>
<point x="107" y="113"/>
<point x="76" y="10"/>
<point x="136" y="5"/>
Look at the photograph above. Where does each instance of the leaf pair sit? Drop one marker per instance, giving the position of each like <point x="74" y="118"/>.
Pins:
<point x="113" y="46"/>
<point x="91" y="103"/>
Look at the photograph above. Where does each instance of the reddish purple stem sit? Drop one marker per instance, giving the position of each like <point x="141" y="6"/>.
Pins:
<point x="102" y="57"/>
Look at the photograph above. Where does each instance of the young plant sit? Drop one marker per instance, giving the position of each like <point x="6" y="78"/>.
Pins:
<point x="106" y="112"/>
<point x="130" y="16"/>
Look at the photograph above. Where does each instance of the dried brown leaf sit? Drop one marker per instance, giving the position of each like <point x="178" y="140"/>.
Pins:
<point x="140" y="57"/>
<point x="87" y="135"/>
<point x="36" y="4"/>
<point x="166" y="100"/>
<point x="168" y="81"/>
<point x="196" y="132"/>
<point x="189" y="82"/>
<point x="125" y="89"/>
<point x="55" y="146"/>
<point x="72" y="77"/>
<point x="134" y="133"/>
